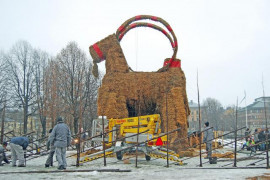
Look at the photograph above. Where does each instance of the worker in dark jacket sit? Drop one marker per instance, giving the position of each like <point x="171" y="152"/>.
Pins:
<point x="49" y="161"/>
<point x="18" y="145"/>
<point x="3" y="154"/>
<point x="261" y="137"/>
<point x="208" y="138"/>
<point x="60" y="139"/>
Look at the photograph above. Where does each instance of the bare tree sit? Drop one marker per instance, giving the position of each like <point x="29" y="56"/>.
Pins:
<point x="229" y="118"/>
<point x="21" y="77"/>
<point x="52" y="102"/>
<point x="3" y="91"/>
<point x="3" y="79"/>
<point x="91" y="109"/>
<point x="78" y="87"/>
<point x="213" y="112"/>
<point x="40" y="59"/>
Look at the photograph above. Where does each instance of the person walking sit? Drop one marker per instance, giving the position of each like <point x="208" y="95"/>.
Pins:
<point x="49" y="161"/>
<point x="60" y="138"/>
<point x="18" y="145"/>
<point x="3" y="154"/>
<point x="208" y="138"/>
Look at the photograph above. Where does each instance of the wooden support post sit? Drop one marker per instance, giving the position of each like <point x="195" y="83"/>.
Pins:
<point x="267" y="131"/>
<point x="167" y="130"/>
<point x="103" y="140"/>
<point x="200" y="125"/>
<point x="138" y="130"/>
<point x="235" y="135"/>
<point x="78" y="149"/>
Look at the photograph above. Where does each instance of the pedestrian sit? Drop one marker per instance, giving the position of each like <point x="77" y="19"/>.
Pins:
<point x="247" y="134"/>
<point x="267" y="138"/>
<point x="60" y="138"/>
<point x="256" y="139"/>
<point x="208" y="138"/>
<point x="49" y="161"/>
<point x="18" y="145"/>
<point x="251" y="145"/>
<point x="83" y="138"/>
<point x="261" y="137"/>
<point x="246" y="144"/>
<point x="3" y="154"/>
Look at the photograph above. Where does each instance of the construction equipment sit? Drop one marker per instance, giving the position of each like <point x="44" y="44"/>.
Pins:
<point x="123" y="134"/>
<point x="97" y="130"/>
<point x="129" y="128"/>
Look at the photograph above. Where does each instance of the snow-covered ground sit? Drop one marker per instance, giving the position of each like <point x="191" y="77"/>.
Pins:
<point x="154" y="169"/>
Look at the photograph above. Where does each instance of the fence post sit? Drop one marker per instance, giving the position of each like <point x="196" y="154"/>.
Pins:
<point x="103" y="140"/>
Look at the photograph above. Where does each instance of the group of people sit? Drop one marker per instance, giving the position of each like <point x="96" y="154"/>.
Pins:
<point x="263" y="136"/>
<point x="59" y="140"/>
<point x="257" y="140"/>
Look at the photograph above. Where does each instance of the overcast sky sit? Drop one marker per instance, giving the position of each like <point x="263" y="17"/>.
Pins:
<point x="227" y="41"/>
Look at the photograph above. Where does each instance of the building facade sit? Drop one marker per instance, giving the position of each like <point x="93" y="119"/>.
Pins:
<point x="14" y="122"/>
<point x="256" y="114"/>
<point x="193" y="118"/>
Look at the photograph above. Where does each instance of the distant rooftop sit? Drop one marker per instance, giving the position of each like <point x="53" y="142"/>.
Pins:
<point x="192" y="104"/>
<point x="259" y="103"/>
<point x="262" y="99"/>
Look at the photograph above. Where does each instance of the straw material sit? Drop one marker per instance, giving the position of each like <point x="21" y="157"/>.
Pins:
<point x="145" y="89"/>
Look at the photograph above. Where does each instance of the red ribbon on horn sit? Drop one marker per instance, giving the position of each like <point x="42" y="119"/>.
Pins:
<point x="98" y="51"/>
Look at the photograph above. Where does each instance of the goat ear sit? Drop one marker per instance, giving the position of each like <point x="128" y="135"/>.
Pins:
<point x="95" y="70"/>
